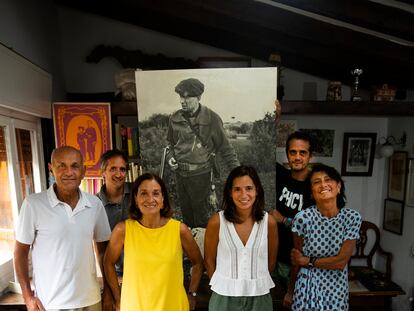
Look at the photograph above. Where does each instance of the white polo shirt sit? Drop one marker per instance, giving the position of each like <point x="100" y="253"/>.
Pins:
<point x="63" y="259"/>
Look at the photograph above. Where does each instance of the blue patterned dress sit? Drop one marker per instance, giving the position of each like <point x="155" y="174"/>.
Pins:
<point x="321" y="289"/>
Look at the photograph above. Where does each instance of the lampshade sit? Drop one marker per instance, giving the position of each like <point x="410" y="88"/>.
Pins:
<point x="386" y="151"/>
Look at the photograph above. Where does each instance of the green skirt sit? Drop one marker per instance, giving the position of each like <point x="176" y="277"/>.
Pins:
<point x="243" y="303"/>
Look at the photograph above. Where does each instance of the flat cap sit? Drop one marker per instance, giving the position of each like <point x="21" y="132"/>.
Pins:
<point x="192" y="86"/>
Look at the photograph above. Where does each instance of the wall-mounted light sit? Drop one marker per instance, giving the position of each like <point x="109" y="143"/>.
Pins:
<point x="387" y="145"/>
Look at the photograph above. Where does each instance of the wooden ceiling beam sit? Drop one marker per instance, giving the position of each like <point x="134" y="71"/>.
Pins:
<point x="367" y="14"/>
<point x="250" y="31"/>
<point x="210" y="13"/>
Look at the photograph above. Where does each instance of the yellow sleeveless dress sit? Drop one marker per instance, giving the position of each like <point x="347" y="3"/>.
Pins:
<point x="153" y="268"/>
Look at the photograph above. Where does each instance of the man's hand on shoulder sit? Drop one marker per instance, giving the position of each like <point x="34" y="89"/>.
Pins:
<point x="278" y="216"/>
<point x="278" y="110"/>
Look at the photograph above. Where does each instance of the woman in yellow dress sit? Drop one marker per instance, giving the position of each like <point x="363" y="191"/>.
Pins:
<point x="153" y="245"/>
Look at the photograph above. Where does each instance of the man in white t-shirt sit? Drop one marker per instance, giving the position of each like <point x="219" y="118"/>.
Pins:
<point x="59" y="226"/>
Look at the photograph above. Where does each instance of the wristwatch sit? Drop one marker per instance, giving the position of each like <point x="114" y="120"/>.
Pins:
<point x="194" y="294"/>
<point x="311" y="261"/>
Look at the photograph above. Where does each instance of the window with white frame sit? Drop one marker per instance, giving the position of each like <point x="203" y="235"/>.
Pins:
<point x="21" y="168"/>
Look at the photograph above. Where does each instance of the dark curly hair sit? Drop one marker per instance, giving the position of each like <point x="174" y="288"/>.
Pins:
<point x="134" y="212"/>
<point x="334" y="174"/>
<point x="228" y="205"/>
<point x="298" y="135"/>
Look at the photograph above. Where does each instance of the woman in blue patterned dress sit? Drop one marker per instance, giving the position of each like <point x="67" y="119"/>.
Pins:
<point x="324" y="238"/>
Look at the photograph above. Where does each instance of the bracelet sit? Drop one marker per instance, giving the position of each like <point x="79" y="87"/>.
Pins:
<point x="288" y="222"/>
<point x="312" y="261"/>
<point x="194" y="294"/>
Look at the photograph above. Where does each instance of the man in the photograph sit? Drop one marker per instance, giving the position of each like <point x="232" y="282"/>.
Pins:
<point x="115" y="193"/>
<point x="359" y="154"/>
<point x="195" y="136"/>
<point x="58" y="226"/>
<point x="81" y="139"/>
<point x="90" y="140"/>
<point x="293" y="194"/>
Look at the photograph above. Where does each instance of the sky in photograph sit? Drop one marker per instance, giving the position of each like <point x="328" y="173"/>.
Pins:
<point x="237" y="94"/>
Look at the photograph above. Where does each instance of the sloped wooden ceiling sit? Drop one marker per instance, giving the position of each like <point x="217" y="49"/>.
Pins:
<point x="383" y="45"/>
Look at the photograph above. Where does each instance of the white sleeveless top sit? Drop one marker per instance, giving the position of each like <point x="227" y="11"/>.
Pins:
<point x="242" y="270"/>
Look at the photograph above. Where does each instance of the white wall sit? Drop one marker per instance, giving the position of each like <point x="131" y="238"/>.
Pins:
<point x="24" y="86"/>
<point x="30" y="28"/>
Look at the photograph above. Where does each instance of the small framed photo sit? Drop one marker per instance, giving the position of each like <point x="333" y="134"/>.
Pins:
<point x="397" y="175"/>
<point x="409" y="198"/>
<point x="358" y="154"/>
<point x="393" y="216"/>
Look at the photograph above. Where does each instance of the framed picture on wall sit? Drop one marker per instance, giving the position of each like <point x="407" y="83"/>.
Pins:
<point x="393" y="216"/>
<point x="87" y="127"/>
<point x="358" y="154"/>
<point x="409" y="198"/>
<point x="397" y="175"/>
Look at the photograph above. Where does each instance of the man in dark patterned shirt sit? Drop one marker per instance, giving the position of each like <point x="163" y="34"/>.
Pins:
<point x="115" y="192"/>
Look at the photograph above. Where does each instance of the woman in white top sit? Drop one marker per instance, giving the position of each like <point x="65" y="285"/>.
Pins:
<point x="240" y="246"/>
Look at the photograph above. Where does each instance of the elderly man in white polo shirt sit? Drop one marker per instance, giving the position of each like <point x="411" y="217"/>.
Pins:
<point x="60" y="225"/>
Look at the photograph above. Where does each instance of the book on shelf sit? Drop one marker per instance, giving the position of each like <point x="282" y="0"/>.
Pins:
<point x="130" y="145"/>
<point x="124" y="137"/>
<point x="118" y="138"/>
<point x="135" y="141"/>
<point x="134" y="171"/>
<point x="91" y="185"/>
<point x="127" y="139"/>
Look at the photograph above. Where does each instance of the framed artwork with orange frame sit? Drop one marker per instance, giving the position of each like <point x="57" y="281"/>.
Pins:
<point x="87" y="127"/>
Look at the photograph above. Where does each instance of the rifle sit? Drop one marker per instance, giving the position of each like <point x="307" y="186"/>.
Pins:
<point x="163" y="158"/>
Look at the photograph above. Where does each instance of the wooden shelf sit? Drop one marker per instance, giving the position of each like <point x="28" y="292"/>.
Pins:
<point x="124" y="108"/>
<point x="363" y="108"/>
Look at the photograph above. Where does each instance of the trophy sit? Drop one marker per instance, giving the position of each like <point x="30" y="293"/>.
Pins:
<point x="356" y="73"/>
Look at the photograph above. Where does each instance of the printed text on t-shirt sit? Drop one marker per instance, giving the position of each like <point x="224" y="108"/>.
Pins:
<point x="292" y="199"/>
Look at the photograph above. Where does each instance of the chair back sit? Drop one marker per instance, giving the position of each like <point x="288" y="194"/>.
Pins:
<point x="365" y="249"/>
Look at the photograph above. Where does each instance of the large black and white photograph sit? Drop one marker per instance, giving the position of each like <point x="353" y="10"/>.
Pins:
<point x="195" y="126"/>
